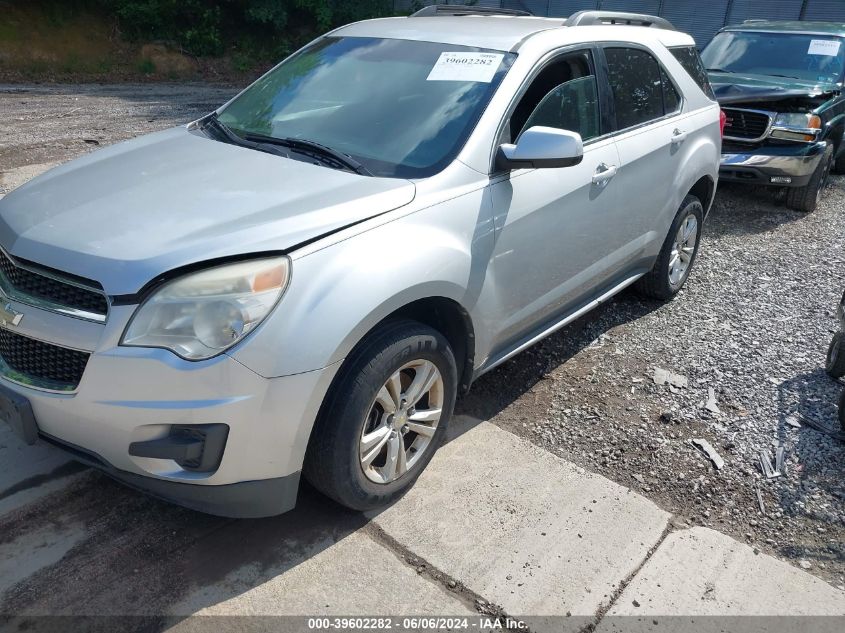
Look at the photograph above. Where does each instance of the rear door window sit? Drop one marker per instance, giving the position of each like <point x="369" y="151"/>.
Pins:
<point x="637" y="86"/>
<point x="671" y="98"/>
<point x="689" y="58"/>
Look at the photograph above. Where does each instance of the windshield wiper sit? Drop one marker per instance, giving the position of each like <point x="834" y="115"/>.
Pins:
<point x="231" y="137"/>
<point x="784" y="76"/>
<point x="719" y="70"/>
<point x="312" y="147"/>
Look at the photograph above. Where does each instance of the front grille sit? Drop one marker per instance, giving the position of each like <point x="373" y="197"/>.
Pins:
<point x="29" y="283"/>
<point x="41" y="364"/>
<point x="746" y="123"/>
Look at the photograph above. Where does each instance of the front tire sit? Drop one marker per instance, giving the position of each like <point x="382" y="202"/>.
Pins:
<point x="806" y="198"/>
<point x="677" y="255"/>
<point x="384" y="417"/>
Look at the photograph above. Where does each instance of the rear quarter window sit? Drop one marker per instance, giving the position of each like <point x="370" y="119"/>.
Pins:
<point x="689" y="58"/>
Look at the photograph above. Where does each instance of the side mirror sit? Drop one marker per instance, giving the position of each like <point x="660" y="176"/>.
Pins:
<point x="539" y="147"/>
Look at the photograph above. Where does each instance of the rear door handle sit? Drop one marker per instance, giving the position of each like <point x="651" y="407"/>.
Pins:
<point x="678" y="136"/>
<point x="604" y="173"/>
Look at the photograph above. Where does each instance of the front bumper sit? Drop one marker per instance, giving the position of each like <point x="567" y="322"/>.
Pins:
<point x="130" y="395"/>
<point x="760" y="165"/>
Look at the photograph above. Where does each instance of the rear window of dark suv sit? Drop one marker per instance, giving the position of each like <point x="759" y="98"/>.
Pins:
<point x="691" y="61"/>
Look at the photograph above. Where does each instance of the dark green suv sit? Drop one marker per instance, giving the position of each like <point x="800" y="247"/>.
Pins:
<point x="780" y="86"/>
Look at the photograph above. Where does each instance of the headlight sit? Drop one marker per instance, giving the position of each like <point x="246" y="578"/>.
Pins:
<point x="796" y="126"/>
<point x="202" y="314"/>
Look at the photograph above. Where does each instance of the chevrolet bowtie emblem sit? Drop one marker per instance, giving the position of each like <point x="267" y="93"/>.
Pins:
<point x="8" y="315"/>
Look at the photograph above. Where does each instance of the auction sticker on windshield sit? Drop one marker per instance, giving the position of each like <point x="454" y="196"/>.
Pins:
<point x="829" y="48"/>
<point x="466" y="67"/>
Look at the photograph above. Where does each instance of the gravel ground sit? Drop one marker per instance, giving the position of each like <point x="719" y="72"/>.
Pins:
<point x="753" y="324"/>
<point x="49" y="124"/>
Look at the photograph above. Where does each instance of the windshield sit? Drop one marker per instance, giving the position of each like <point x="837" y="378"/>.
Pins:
<point x="816" y="58"/>
<point x="401" y="108"/>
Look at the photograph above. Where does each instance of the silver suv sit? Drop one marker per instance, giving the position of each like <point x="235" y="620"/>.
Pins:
<point x="304" y="280"/>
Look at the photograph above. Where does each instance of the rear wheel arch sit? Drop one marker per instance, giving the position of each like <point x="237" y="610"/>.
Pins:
<point x="704" y="189"/>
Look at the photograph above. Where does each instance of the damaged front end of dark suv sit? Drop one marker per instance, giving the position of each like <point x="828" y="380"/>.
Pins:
<point x="780" y="86"/>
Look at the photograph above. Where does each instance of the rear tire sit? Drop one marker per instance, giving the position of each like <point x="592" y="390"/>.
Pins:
<point x="665" y="279"/>
<point x="364" y="451"/>
<point x="839" y="161"/>
<point x="806" y="198"/>
<point x="835" y="363"/>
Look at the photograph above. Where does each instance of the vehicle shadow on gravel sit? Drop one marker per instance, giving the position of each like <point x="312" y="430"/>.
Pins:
<point x="495" y="391"/>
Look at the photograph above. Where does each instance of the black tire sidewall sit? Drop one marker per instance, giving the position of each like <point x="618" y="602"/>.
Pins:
<point x="691" y="205"/>
<point x="352" y="397"/>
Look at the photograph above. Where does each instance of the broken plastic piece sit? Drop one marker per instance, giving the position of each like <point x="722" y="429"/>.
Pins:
<point x="711" y="453"/>
<point x="711" y="405"/>
<point x="766" y="466"/>
<point x="665" y="377"/>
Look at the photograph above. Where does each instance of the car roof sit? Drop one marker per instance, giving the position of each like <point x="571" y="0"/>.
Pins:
<point x="496" y="32"/>
<point x="790" y="26"/>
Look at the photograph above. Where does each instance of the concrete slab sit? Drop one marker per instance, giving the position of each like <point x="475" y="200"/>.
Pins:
<point x="701" y="572"/>
<point x="355" y="576"/>
<point x="523" y="528"/>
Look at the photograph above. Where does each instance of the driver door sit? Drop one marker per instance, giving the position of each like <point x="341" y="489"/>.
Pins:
<point x="551" y="224"/>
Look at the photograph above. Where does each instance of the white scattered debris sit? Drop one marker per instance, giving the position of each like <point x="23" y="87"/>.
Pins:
<point x="711" y="405"/>
<point x="711" y="453"/>
<point x="766" y="466"/>
<point x="793" y="421"/>
<point x="779" y="463"/>
<point x="666" y="377"/>
<point x="760" y="500"/>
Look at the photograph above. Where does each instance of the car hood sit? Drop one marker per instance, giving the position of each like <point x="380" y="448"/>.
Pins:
<point x="132" y="211"/>
<point x="736" y="88"/>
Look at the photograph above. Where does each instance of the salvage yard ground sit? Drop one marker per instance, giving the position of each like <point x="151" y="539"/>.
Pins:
<point x="580" y="489"/>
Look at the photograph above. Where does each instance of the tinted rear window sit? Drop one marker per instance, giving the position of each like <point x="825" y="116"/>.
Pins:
<point x="634" y="77"/>
<point x="691" y="61"/>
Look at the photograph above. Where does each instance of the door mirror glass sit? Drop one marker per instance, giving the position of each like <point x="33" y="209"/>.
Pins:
<point x="540" y="147"/>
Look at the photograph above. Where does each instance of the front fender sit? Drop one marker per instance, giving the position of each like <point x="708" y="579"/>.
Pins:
<point x="339" y="293"/>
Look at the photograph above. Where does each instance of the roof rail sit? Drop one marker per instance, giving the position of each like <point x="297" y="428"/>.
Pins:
<point x="464" y="9"/>
<point x="594" y="18"/>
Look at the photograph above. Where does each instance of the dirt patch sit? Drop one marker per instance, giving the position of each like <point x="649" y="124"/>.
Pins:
<point x="57" y="43"/>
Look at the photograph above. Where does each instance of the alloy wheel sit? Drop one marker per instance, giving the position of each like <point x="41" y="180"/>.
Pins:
<point x="683" y="250"/>
<point x="402" y="421"/>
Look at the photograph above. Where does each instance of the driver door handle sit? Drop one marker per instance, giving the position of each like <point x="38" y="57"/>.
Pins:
<point x="678" y="136"/>
<point x="604" y="173"/>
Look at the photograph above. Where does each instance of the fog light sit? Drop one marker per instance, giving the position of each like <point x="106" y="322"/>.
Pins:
<point x="780" y="180"/>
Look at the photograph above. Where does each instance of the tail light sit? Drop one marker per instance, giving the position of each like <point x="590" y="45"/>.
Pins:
<point x="723" y="118"/>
